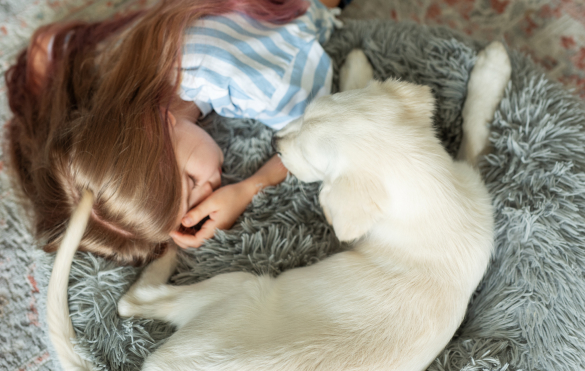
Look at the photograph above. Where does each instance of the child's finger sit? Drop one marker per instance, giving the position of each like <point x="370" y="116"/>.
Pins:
<point x="206" y="232"/>
<point x="180" y="239"/>
<point x="196" y="214"/>
<point x="186" y="240"/>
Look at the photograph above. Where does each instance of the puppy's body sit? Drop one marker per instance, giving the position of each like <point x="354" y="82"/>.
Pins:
<point x="422" y="226"/>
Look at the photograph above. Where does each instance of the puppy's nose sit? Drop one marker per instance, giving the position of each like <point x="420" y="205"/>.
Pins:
<point x="274" y="143"/>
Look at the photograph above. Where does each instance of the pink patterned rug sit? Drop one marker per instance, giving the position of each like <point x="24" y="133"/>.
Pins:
<point x="552" y="32"/>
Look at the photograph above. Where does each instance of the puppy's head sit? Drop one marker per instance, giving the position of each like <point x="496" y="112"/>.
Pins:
<point x="348" y="141"/>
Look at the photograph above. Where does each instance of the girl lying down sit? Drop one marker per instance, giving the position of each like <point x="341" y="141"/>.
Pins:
<point x="100" y="106"/>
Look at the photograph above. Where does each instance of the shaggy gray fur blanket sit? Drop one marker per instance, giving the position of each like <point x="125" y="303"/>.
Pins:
<point x="528" y="311"/>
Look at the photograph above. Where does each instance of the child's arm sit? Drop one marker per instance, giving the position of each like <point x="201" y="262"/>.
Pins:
<point x="227" y="203"/>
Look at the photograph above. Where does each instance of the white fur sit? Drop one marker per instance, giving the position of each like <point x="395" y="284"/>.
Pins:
<point x="421" y="226"/>
<point x="485" y="90"/>
<point x="60" y="327"/>
<point x="356" y="72"/>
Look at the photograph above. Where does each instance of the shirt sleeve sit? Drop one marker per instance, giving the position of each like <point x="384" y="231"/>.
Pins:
<point x="323" y="19"/>
<point x="244" y="68"/>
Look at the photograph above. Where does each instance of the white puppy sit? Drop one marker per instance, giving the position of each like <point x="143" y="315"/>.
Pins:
<point x="422" y="230"/>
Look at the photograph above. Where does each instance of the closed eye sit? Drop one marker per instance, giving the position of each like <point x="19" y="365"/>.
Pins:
<point x="193" y="181"/>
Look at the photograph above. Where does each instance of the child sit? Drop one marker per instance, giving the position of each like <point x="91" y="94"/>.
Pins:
<point x="101" y="107"/>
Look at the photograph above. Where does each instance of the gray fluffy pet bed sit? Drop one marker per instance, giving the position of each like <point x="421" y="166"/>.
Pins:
<point x="528" y="311"/>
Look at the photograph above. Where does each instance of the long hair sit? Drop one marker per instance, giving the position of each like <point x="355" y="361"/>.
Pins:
<point x="97" y="120"/>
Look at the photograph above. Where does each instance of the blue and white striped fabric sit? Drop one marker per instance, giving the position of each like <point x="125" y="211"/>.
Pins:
<point x="240" y="67"/>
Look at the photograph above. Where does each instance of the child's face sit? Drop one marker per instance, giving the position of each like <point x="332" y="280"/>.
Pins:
<point x="199" y="159"/>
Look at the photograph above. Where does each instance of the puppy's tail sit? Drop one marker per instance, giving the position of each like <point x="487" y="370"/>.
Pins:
<point x="60" y="326"/>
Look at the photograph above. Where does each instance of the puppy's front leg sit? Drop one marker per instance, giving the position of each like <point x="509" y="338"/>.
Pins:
<point x="485" y="90"/>
<point x="356" y="72"/>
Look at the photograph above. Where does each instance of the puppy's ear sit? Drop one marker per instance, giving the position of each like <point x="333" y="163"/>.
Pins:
<point x="352" y="204"/>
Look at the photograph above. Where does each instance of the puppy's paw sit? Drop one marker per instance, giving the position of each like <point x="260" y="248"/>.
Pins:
<point x="140" y="301"/>
<point x="356" y="72"/>
<point x="492" y="68"/>
<point x="127" y="307"/>
<point x="495" y="57"/>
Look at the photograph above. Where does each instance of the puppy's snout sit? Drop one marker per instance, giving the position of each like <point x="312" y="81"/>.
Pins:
<point x="274" y="143"/>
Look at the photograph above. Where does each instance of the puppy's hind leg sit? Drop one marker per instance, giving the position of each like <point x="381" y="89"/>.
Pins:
<point x="356" y="72"/>
<point x="159" y="271"/>
<point x="150" y="297"/>
<point x="150" y="286"/>
<point x="485" y="90"/>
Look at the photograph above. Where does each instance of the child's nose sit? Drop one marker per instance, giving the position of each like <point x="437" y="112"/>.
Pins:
<point x="204" y="191"/>
<point x="208" y="190"/>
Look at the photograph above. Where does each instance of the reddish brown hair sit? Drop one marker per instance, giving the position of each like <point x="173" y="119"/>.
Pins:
<point x="94" y="121"/>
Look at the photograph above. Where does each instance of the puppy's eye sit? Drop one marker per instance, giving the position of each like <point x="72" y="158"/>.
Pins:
<point x="274" y="143"/>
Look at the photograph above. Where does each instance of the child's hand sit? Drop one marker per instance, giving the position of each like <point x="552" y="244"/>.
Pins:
<point x="223" y="207"/>
<point x="226" y="204"/>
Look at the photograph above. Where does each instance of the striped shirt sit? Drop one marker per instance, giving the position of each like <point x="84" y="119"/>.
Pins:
<point x="244" y="68"/>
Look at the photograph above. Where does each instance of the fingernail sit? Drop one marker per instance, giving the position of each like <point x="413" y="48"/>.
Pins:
<point x="187" y="221"/>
